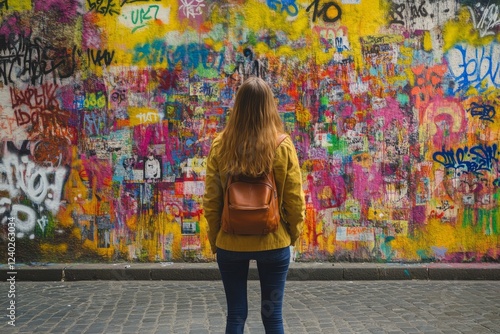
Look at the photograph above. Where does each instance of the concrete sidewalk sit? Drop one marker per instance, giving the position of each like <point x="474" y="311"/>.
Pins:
<point x="311" y="271"/>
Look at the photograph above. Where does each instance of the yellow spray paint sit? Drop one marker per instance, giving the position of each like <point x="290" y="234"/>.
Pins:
<point x="303" y="115"/>
<point x="118" y="36"/>
<point x="20" y="5"/>
<point x="53" y="252"/>
<point x="427" y="41"/>
<point x="462" y="30"/>
<point x="143" y="115"/>
<point x="363" y="19"/>
<point x="455" y="238"/>
<point x="151" y="232"/>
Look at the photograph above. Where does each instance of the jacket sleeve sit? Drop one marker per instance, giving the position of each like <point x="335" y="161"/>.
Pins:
<point x="213" y="200"/>
<point x="293" y="202"/>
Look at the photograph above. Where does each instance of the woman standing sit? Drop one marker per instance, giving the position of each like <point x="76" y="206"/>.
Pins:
<point x="247" y="146"/>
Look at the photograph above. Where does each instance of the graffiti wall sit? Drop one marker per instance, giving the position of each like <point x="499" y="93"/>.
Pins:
<point x="108" y="109"/>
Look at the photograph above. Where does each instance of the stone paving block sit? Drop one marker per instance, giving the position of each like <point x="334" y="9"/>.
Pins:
<point x="182" y="274"/>
<point x="77" y="274"/>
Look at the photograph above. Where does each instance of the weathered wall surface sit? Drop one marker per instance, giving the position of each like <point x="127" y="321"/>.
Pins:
<point x="108" y="109"/>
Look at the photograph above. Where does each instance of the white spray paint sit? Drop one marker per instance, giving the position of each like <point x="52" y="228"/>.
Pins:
<point x="41" y="185"/>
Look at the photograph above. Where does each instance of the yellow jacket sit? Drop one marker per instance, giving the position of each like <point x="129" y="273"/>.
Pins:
<point x="290" y="194"/>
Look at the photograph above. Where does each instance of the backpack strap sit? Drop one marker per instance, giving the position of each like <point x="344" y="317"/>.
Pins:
<point x="280" y="139"/>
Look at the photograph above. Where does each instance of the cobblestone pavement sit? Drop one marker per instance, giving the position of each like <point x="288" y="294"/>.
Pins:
<point x="198" y="307"/>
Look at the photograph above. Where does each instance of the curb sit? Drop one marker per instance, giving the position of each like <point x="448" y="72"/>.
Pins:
<point x="209" y="271"/>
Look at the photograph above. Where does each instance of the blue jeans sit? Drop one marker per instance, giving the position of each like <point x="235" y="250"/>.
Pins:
<point x="273" y="268"/>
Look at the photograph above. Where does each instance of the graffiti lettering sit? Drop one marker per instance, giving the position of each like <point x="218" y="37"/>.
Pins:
<point x="139" y="16"/>
<point x="41" y="185"/>
<point x="192" y="8"/>
<point x="188" y="56"/>
<point x="196" y="54"/>
<point x="38" y="106"/>
<point x="103" y="7"/>
<point x="475" y="67"/>
<point x="4" y="4"/>
<point x="40" y="118"/>
<point x="285" y="5"/>
<point x="421" y="14"/>
<point x="418" y="12"/>
<point x="396" y="13"/>
<point x="34" y="97"/>
<point x="325" y="12"/>
<point x="32" y="61"/>
<point x="96" y="57"/>
<point x="484" y="111"/>
<point x="475" y="160"/>
<point x="151" y="53"/>
<point x="94" y="100"/>
<point x="428" y="83"/>
<point x="95" y="123"/>
<point x="489" y="19"/>
<point x="149" y="117"/>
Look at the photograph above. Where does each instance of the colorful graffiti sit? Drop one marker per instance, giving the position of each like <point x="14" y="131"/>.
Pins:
<point x="108" y="109"/>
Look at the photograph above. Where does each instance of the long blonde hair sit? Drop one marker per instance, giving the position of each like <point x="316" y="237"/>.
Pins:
<point x="249" y="138"/>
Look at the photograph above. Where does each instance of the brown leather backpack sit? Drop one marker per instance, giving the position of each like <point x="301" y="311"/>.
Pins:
<point x="251" y="205"/>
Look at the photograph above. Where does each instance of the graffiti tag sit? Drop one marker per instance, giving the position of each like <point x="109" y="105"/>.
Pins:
<point x="35" y="97"/>
<point x="95" y="123"/>
<point x="103" y="7"/>
<point x="489" y="18"/>
<point x="284" y="5"/>
<point x="397" y="12"/>
<point x="20" y="177"/>
<point x="475" y="67"/>
<point x="326" y="13"/>
<point x="30" y="61"/>
<point x="192" y="8"/>
<point x="484" y="111"/>
<point x="41" y="185"/>
<point x="97" y="57"/>
<point x="140" y="16"/>
<point x="38" y="106"/>
<point x="189" y="56"/>
<point x="477" y="159"/>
